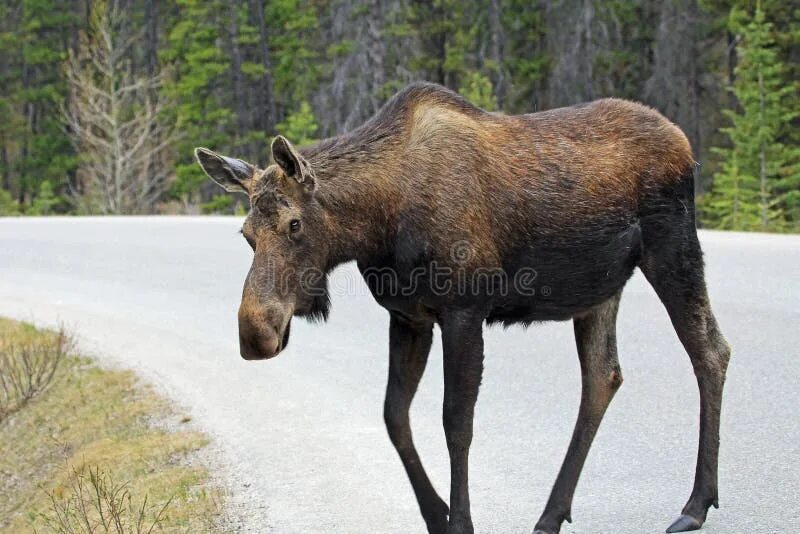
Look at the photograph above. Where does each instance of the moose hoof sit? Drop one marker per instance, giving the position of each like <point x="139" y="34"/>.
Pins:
<point x="684" y="523"/>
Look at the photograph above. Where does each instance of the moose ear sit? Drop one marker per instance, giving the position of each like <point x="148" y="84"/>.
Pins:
<point x="291" y="162"/>
<point x="230" y="173"/>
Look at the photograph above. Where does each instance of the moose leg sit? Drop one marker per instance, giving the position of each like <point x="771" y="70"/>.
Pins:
<point x="462" y="342"/>
<point x="408" y="353"/>
<point x="595" y="334"/>
<point x="674" y="267"/>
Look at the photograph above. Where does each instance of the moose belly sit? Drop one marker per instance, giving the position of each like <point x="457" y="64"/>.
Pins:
<point x="554" y="276"/>
<point x="558" y="277"/>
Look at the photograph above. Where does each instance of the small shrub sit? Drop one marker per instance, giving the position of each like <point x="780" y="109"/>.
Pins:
<point x="8" y="206"/>
<point x="301" y="126"/>
<point x="93" y="503"/>
<point x="477" y="88"/>
<point x="28" y="365"/>
<point x="218" y="204"/>
<point x="45" y="202"/>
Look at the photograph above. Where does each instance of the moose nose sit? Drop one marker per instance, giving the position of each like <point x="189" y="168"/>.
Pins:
<point x="255" y="342"/>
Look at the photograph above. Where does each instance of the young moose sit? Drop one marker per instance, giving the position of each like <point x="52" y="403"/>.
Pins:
<point x="433" y="190"/>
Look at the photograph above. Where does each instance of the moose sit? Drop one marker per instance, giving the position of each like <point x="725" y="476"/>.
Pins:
<point x="580" y="196"/>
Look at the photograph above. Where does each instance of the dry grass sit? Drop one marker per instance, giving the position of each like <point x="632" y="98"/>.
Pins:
<point x="28" y="364"/>
<point x="96" y="503"/>
<point x="96" y="433"/>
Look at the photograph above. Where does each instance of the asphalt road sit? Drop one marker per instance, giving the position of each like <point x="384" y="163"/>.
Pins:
<point x="301" y="438"/>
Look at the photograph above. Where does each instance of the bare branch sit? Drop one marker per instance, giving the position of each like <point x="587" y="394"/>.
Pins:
<point x="115" y="121"/>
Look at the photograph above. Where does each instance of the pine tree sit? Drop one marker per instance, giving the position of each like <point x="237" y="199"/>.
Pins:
<point x="477" y="88"/>
<point x="294" y="39"/>
<point x="524" y="59"/>
<point x="34" y="38"/>
<point x="756" y="166"/>
<point x="460" y="46"/>
<point x="300" y="127"/>
<point x="8" y="206"/>
<point x="733" y="201"/>
<point x="200" y="69"/>
<point x="45" y="202"/>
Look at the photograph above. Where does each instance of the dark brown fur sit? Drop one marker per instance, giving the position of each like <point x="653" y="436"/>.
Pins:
<point x="576" y="196"/>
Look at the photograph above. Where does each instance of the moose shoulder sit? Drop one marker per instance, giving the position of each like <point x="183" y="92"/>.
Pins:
<point x="458" y="217"/>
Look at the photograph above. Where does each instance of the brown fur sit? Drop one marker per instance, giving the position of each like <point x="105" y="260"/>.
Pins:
<point x="470" y="171"/>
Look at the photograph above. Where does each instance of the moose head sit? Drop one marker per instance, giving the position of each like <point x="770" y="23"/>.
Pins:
<point x="286" y="230"/>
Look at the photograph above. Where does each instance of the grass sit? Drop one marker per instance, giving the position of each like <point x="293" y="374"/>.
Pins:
<point x="99" y="429"/>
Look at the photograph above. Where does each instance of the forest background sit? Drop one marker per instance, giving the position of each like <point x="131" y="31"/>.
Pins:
<point x="102" y="102"/>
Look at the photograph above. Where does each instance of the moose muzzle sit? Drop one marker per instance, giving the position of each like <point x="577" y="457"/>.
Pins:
<point x="263" y="333"/>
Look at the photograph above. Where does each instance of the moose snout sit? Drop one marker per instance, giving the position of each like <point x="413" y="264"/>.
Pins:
<point x="261" y="335"/>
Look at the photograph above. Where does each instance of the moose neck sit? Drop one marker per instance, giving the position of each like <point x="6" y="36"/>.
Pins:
<point x="359" y="188"/>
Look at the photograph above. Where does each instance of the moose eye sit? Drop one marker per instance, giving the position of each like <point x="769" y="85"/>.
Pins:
<point x="294" y="226"/>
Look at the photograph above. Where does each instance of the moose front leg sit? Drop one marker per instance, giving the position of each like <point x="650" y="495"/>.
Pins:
<point x="462" y="342"/>
<point x="409" y="344"/>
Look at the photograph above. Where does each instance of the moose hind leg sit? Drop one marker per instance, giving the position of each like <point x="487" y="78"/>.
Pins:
<point x="595" y="334"/>
<point x="673" y="264"/>
<point x="409" y="346"/>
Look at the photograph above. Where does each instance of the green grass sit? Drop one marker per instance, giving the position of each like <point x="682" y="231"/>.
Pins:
<point x="91" y="418"/>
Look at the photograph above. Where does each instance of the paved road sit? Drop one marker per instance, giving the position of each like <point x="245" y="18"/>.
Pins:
<point x="301" y="437"/>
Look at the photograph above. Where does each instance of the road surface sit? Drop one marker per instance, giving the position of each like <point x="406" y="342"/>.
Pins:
<point x="301" y="439"/>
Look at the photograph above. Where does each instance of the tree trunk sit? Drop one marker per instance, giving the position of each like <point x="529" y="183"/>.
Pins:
<point x="267" y="115"/>
<point x="239" y="101"/>
<point x="151" y="37"/>
<point x="762" y="157"/>
<point x="4" y="161"/>
<point x="693" y="111"/>
<point x="496" y="52"/>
